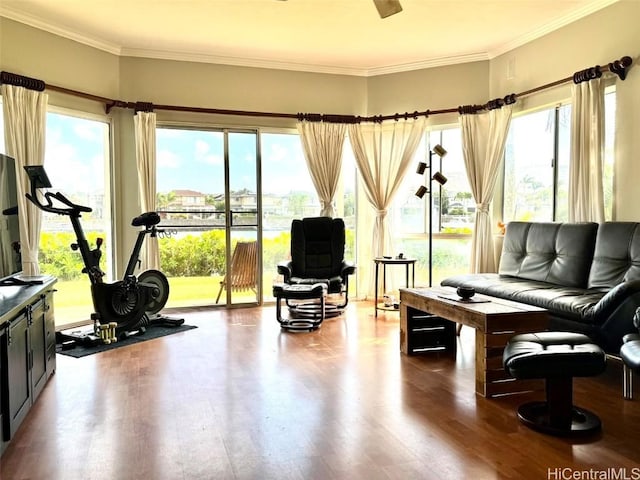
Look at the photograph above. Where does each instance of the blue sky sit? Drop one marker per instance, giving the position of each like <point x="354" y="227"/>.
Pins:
<point x="74" y="154"/>
<point x="194" y="159"/>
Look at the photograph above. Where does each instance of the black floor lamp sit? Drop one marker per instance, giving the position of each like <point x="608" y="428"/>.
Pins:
<point x="441" y="179"/>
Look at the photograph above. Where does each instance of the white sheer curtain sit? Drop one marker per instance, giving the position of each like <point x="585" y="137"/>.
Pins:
<point x="24" y="137"/>
<point x="383" y="153"/>
<point x="145" y="134"/>
<point x="586" y="195"/>
<point x="322" y="144"/>
<point x="483" y="138"/>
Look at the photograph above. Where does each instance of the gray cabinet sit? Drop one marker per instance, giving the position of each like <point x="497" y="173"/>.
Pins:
<point x="38" y="344"/>
<point x="27" y="353"/>
<point x="18" y="362"/>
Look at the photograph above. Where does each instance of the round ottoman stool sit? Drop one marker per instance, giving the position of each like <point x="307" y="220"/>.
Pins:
<point x="313" y="314"/>
<point x="557" y="357"/>
<point x="630" y="353"/>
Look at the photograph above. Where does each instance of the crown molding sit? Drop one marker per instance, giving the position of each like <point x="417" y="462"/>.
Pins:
<point x="592" y="7"/>
<point x="431" y="63"/>
<point x="239" y="62"/>
<point x="61" y="31"/>
<point x="301" y="67"/>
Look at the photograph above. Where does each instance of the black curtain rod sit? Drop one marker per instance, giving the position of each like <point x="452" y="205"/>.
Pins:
<point x="29" y="83"/>
<point x="617" y="67"/>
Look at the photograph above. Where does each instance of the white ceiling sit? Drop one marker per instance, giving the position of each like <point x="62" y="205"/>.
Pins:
<point x="332" y="36"/>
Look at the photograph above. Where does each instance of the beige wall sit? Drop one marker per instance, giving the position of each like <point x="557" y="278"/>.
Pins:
<point x="599" y="38"/>
<point x="437" y="88"/>
<point x="58" y="61"/>
<point x="240" y="88"/>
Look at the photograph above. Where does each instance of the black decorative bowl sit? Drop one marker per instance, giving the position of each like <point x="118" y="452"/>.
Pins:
<point x="466" y="292"/>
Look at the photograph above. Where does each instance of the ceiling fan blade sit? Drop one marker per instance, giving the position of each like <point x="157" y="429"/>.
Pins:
<point x="386" y="8"/>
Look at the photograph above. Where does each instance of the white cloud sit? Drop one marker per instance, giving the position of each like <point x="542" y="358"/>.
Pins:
<point x="89" y="130"/>
<point x="212" y="159"/>
<point x="203" y="155"/>
<point x="202" y="148"/>
<point x="168" y="159"/>
<point x="60" y="155"/>
<point x="277" y="153"/>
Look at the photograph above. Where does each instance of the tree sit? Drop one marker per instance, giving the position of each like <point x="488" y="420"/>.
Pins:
<point x="349" y="204"/>
<point x="463" y="196"/>
<point x="297" y="202"/>
<point x="163" y="200"/>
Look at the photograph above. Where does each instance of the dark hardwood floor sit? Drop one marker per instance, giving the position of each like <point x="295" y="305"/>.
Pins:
<point x="238" y="399"/>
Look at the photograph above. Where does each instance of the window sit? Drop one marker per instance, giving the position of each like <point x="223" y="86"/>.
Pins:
<point x="536" y="168"/>
<point x="529" y="164"/>
<point x="288" y="193"/>
<point x="77" y="161"/>
<point x="453" y="205"/>
<point x="191" y="199"/>
<point x="453" y="211"/>
<point x="288" y="190"/>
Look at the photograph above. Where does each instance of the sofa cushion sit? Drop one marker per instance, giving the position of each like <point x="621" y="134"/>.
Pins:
<point x="617" y="255"/>
<point x="568" y="302"/>
<point x="557" y="253"/>
<point x="495" y="285"/>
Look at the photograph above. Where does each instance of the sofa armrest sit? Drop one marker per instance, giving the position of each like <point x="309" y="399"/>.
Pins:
<point x="613" y="314"/>
<point x="285" y="269"/>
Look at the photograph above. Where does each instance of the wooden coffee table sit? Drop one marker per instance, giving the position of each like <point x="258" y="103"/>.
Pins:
<point x="428" y="318"/>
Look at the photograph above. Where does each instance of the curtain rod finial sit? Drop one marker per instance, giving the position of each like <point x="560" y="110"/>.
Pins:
<point x="619" y="67"/>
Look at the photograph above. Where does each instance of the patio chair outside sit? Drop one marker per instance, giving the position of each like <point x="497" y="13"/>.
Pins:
<point x="244" y="265"/>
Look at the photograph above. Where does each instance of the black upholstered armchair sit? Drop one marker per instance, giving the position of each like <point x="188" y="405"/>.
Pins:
<point x="317" y="256"/>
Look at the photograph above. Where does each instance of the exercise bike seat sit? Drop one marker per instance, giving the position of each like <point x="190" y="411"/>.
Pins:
<point x="148" y="219"/>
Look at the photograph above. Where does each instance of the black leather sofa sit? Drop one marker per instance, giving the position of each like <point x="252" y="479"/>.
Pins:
<point x="587" y="275"/>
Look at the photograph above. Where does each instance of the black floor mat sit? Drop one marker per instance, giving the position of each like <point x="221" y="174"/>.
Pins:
<point x="153" y="331"/>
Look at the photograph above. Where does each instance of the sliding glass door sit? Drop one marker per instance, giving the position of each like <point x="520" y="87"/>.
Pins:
<point x="242" y="282"/>
<point x="209" y="200"/>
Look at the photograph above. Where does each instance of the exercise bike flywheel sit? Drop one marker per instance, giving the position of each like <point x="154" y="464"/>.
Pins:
<point x="123" y="300"/>
<point x="158" y="280"/>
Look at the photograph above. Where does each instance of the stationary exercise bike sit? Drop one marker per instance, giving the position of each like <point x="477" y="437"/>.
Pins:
<point x="124" y="307"/>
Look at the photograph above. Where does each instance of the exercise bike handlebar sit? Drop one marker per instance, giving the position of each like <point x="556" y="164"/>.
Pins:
<point x="71" y="209"/>
<point x="62" y="199"/>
